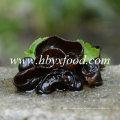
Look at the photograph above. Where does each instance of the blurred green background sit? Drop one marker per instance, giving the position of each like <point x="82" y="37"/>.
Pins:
<point x="23" y="21"/>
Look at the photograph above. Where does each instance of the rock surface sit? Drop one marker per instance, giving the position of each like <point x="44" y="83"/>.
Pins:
<point x="101" y="103"/>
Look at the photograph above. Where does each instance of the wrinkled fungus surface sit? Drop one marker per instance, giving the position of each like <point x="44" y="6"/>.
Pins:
<point x="48" y="78"/>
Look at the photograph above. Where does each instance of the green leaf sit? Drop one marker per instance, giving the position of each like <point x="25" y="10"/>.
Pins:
<point x="89" y="52"/>
<point x="31" y="50"/>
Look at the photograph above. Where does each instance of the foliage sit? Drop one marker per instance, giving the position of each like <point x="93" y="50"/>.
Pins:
<point x="89" y="52"/>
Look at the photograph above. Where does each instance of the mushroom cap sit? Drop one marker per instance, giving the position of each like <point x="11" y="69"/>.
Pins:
<point x="28" y="79"/>
<point x="92" y="75"/>
<point x="49" y="58"/>
<point x="58" y="47"/>
<point x="60" y="79"/>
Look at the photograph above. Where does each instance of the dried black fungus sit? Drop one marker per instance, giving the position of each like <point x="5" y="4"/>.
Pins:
<point x="57" y="47"/>
<point x="91" y="74"/>
<point x="53" y="53"/>
<point x="46" y="78"/>
<point x="25" y="64"/>
<point x="60" y="79"/>
<point x="29" y="79"/>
